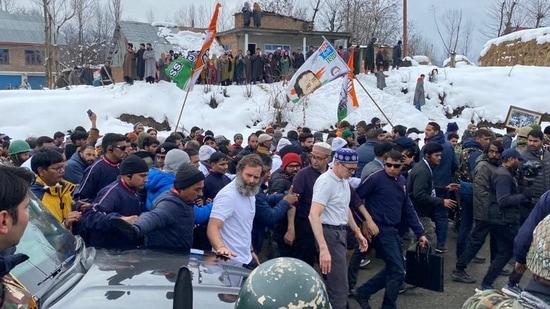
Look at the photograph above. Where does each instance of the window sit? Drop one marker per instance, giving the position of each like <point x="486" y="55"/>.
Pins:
<point x="269" y="48"/>
<point x="33" y="57"/>
<point x="4" y="56"/>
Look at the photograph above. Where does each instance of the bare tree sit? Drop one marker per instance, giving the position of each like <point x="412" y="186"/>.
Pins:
<point x="451" y="32"/>
<point x="115" y="8"/>
<point x="283" y="7"/>
<point x="7" y="6"/>
<point x="315" y="10"/>
<point x="82" y="8"/>
<point x="502" y="15"/>
<point x="537" y="11"/>
<point x="150" y="16"/>
<point x="418" y="45"/>
<point x="329" y="16"/>
<point x="466" y="39"/>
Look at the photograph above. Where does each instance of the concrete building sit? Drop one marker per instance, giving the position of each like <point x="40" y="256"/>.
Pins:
<point x="278" y="31"/>
<point x="21" y="51"/>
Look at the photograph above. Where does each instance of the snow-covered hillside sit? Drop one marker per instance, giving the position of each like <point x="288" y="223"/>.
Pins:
<point x="485" y="92"/>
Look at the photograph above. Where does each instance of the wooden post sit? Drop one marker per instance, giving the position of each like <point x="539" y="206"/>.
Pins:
<point x="181" y="111"/>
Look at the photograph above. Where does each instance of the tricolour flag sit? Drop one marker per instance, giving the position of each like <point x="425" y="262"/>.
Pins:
<point x="320" y="68"/>
<point x="348" y="100"/>
<point x="185" y="71"/>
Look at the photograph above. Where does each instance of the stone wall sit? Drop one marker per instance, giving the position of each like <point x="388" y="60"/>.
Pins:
<point x="526" y="47"/>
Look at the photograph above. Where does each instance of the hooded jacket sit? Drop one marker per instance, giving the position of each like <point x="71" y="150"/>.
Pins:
<point x="74" y="170"/>
<point x="443" y="173"/>
<point x="57" y="199"/>
<point x="505" y="197"/>
<point x="169" y="224"/>
<point x="482" y="181"/>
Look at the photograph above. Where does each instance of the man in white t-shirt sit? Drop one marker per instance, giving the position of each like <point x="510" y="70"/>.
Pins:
<point x="230" y="225"/>
<point x="329" y="216"/>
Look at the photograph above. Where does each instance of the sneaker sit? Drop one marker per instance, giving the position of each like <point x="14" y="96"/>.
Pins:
<point x="364" y="263"/>
<point x="512" y="290"/>
<point x="441" y="250"/>
<point x="483" y="287"/>
<point x="406" y="287"/>
<point x="478" y="260"/>
<point x="361" y="300"/>
<point x="462" y="276"/>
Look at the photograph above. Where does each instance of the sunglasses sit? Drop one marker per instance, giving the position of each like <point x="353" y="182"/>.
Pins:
<point x="122" y="148"/>
<point x="390" y="165"/>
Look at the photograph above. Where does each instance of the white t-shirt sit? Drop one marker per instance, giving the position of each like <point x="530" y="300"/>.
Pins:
<point x="237" y="213"/>
<point x="334" y="193"/>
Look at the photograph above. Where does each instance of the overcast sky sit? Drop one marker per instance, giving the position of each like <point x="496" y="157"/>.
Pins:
<point x="419" y="12"/>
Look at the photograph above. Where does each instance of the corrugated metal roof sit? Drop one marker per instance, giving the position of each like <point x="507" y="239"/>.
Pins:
<point x="136" y="32"/>
<point x="21" y="29"/>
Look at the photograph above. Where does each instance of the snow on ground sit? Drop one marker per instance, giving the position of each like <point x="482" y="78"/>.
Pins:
<point x="188" y="41"/>
<point x="487" y="92"/>
<point x="460" y="60"/>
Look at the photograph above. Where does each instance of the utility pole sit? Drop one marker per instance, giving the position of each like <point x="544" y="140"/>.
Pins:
<point x="405" y="31"/>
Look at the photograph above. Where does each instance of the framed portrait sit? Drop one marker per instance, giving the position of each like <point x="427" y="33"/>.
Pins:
<point x="520" y="117"/>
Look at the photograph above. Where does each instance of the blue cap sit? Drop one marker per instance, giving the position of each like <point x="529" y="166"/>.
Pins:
<point x="346" y="155"/>
<point x="511" y="153"/>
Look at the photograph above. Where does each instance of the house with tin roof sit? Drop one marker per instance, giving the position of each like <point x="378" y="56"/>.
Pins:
<point x="21" y="50"/>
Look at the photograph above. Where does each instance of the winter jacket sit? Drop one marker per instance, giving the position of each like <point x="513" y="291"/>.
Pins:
<point x="444" y="172"/>
<point x="279" y="182"/>
<point x="86" y="77"/>
<point x="365" y="153"/>
<point x="371" y="167"/>
<point x="246" y="151"/>
<point x="380" y="80"/>
<point x="129" y="65"/>
<point x="150" y="63"/>
<point x="505" y="198"/>
<point x="482" y="181"/>
<point x="541" y="183"/>
<point x="96" y="177"/>
<point x="213" y="183"/>
<point x="113" y="201"/>
<point x="396" y="54"/>
<point x="388" y="203"/>
<point x="169" y="224"/>
<point x="57" y="199"/>
<point x="270" y="209"/>
<point x="420" y="187"/>
<point x="474" y="149"/>
<point x="419" y="96"/>
<point x="74" y="78"/>
<point x="158" y="182"/>
<point x="74" y="170"/>
<point x="507" y="141"/>
<point x="525" y="235"/>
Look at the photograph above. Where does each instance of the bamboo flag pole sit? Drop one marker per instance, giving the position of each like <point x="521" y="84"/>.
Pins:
<point x="181" y="111"/>
<point x="373" y="101"/>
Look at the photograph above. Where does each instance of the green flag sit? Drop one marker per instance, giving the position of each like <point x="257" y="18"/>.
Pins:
<point x="179" y="70"/>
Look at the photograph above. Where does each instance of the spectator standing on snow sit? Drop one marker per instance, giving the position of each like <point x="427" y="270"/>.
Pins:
<point x="140" y="62"/>
<point x="419" y="97"/>
<point x="87" y="76"/>
<point x="369" y="56"/>
<point x="397" y="55"/>
<point x="150" y="64"/>
<point x="380" y="78"/>
<point x="129" y="64"/>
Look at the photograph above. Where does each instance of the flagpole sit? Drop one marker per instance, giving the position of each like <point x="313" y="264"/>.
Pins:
<point x="373" y="101"/>
<point x="181" y="111"/>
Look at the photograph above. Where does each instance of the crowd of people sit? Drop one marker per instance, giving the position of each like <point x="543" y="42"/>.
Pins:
<point x="303" y="194"/>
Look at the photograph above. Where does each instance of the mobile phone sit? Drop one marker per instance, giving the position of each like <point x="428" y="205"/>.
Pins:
<point x="89" y="112"/>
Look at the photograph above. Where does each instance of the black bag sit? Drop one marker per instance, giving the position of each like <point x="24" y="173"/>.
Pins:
<point x="424" y="268"/>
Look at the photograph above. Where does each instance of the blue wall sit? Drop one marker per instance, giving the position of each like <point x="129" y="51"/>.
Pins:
<point x="10" y="80"/>
<point x="37" y="82"/>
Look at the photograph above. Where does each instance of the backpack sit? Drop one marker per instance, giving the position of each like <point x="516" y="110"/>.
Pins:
<point x="464" y="172"/>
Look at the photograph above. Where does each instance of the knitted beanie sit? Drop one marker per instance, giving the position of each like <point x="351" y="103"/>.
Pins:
<point x="291" y="157"/>
<point x="133" y="165"/>
<point x="175" y="158"/>
<point x="186" y="176"/>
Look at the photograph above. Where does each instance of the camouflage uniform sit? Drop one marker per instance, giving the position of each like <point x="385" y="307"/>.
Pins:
<point x="492" y="299"/>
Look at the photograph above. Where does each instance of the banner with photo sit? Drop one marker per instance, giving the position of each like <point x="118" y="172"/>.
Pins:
<point x="320" y="68"/>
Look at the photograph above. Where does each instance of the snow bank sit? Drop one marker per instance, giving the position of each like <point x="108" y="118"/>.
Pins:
<point x="540" y="35"/>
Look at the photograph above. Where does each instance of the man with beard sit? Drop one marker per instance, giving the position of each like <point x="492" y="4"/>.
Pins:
<point x="84" y="157"/>
<point x="280" y="182"/>
<point x="230" y="226"/>
<point x="329" y="216"/>
<point x="306" y="141"/>
<point x="486" y="165"/>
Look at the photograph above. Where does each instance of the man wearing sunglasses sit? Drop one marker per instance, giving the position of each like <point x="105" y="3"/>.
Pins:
<point x="329" y="217"/>
<point x="386" y="199"/>
<point x="104" y="170"/>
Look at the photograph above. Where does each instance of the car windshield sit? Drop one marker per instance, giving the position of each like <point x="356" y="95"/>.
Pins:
<point x="50" y="247"/>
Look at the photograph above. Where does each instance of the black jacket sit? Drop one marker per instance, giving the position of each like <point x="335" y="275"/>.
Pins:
<point x="279" y="182"/>
<point x="505" y="197"/>
<point x="169" y="225"/>
<point x="420" y="186"/>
